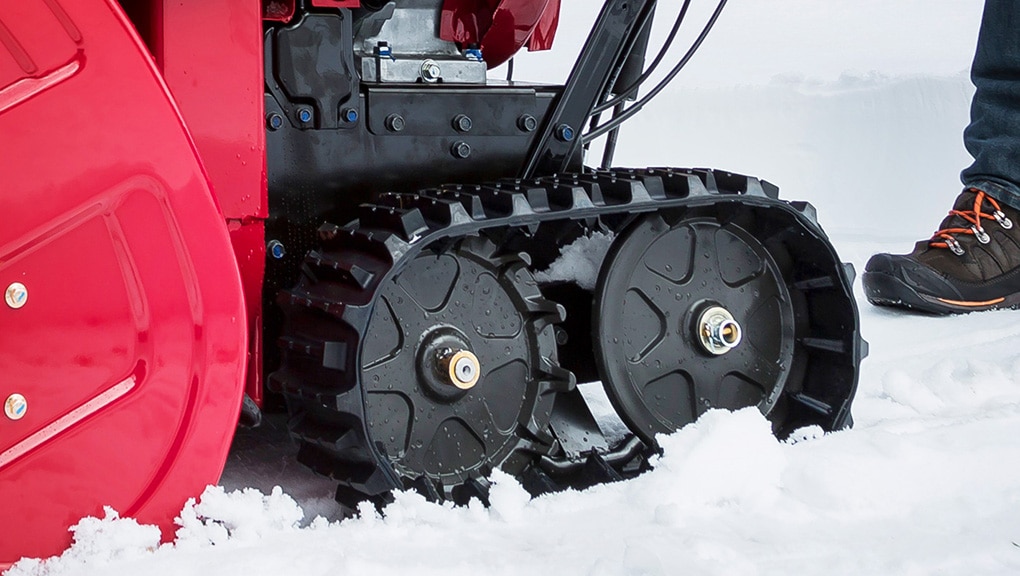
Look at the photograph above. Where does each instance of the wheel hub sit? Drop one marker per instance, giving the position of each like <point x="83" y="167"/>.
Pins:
<point x="447" y="368"/>
<point x="459" y="367"/>
<point x="717" y="331"/>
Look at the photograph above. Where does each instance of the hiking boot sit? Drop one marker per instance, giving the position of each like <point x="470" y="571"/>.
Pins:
<point x="972" y="263"/>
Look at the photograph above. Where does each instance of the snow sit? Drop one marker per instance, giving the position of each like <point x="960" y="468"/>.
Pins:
<point x="854" y="105"/>
<point x="579" y="261"/>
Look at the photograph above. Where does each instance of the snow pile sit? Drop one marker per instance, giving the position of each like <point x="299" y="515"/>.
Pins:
<point x="244" y="516"/>
<point x="579" y="261"/>
<point x="98" y="544"/>
<point x="904" y="495"/>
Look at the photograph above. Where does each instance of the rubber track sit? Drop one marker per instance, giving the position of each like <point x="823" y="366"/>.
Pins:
<point x="320" y="373"/>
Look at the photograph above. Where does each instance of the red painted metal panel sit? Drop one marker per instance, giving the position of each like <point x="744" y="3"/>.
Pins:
<point x="130" y="345"/>
<point x="211" y="58"/>
<point x="500" y="27"/>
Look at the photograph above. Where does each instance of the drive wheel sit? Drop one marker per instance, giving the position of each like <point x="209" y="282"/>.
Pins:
<point x="692" y="312"/>
<point x="454" y="367"/>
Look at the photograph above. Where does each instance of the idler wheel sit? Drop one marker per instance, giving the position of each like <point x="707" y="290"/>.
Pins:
<point x="691" y="313"/>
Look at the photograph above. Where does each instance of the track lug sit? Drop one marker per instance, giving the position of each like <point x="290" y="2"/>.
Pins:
<point x="851" y="273"/>
<point x="346" y="271"/>
<point x="409" y="224"/>
<point x="559" y="379"/>
<point x="807" y="209"/>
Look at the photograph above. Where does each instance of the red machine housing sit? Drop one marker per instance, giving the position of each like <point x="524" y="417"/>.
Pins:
<point x="134" y="195"/>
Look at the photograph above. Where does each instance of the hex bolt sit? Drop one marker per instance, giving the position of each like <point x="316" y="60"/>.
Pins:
<point x="274" y="121"/>
<point x="564" y="133"/>
<point x="430" y="71"/>
<point x="527" y="123"/>
<point x="349" y="115"/>
<point x="276" y="249"/>
<point x="460" y="149"/>
<point x="304" y="114"/>
<point x="395" y="123"/>
<point x="462" y="123"/>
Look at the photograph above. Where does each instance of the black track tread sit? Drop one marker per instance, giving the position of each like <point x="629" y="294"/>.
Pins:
<point x="341" y="281"/>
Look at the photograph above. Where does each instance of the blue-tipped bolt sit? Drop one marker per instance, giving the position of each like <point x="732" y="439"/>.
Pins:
<point x="276" y="249"/>
<point x="304" y="114"/>
<point x="349" y="115"/>
<point x="564" y="133"/>
<point x="274" y="121"/>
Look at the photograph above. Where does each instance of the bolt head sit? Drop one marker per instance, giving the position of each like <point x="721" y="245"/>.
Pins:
<point x="395" y="123"/>
<point x="527" y="123"/>
<point x="462" y="123"/>
<point x="16" y="295"/>
<point x="276" y="249"/>
<point x="274" y="121"/>
<point x="350" y="115"/>
<point x="15" y="407"/>
<point x="461" y="150"/>
<point x="565" y="132"/>
<point x="304" y="115"/>
<point x="430" y="71"/>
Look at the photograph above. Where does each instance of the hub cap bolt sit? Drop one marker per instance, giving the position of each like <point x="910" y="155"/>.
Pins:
<point x="430" y="71"/>
<point x="718" y="331"/>
<point x="460" y="369"/>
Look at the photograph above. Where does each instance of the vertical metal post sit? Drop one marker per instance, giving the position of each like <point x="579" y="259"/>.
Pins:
<point x="603" y="52"/>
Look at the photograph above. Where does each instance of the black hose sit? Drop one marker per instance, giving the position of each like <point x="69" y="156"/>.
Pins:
<point x="630" y="90"/>
<point x="636" y="107"/>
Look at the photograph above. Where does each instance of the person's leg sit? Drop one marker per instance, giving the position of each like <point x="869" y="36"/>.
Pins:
<point x="973" y="261"/>
<point x="993" y="136"/>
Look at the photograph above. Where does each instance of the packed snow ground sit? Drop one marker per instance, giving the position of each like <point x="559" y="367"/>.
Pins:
<point x="854" y="105"/>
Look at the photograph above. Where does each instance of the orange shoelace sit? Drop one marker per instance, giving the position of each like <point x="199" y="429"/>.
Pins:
<point x="945" y="238"/>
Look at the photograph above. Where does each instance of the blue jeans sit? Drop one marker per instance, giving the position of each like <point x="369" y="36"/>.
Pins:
<point x="993" y="136"/>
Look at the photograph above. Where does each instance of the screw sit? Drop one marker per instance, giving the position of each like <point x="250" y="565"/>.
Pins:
<point x="276" y="249"/>
<point x="462" y="123"/>
<point x="274" y="121"/>
<point x="564" y="133"/>
<point x="16" y="295"/>
<point x="349" y="115"/>
<point x="527" y="123"/>
<point x="395" y="123"/>
<point x="304" y="114"/>
<point x="430" y="71"/>
<point x="460" y="150"/>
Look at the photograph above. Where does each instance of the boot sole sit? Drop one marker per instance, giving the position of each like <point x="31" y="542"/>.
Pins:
<point x="882" y="289"/>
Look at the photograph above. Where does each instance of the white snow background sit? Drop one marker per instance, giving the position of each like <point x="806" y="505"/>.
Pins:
<point x="854" y="105"/>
